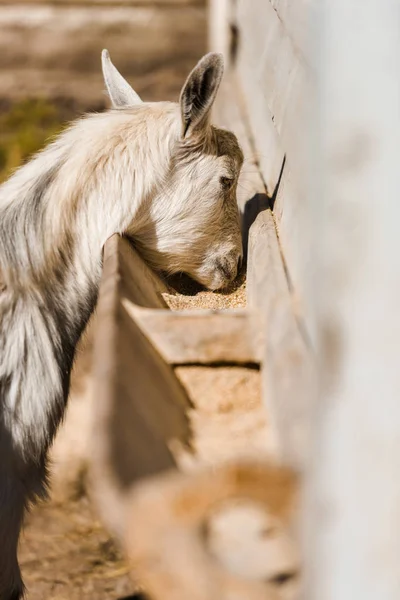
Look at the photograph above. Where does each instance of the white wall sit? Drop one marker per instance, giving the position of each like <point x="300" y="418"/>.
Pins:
<point x="353" y="505"/>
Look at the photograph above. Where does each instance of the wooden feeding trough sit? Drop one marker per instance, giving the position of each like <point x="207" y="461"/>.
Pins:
<point x="154" y="367"/>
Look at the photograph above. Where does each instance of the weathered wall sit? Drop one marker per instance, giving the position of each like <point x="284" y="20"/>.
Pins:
<point x="271" y="66"/>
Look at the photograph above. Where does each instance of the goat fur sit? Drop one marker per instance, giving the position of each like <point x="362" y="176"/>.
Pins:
<point x="156" y="172"/>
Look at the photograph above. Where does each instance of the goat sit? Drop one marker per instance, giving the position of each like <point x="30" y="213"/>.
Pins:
<point x="158" y="173"/>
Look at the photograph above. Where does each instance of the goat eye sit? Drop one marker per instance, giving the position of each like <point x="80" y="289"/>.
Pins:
<point x="226" y="182"/>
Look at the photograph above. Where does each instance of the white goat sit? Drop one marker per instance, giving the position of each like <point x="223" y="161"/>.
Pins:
<point x="157" y="172"/>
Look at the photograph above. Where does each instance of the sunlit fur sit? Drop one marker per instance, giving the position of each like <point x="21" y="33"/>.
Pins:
<point x="151" y="171"/>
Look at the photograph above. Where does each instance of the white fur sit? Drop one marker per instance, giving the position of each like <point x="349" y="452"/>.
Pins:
<point x="152" y="171"/>
<point x="120" y="92"/>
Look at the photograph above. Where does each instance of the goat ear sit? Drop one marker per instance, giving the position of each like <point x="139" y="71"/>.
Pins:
<point x="198" y="93"/>
<point x="120" y="92"/>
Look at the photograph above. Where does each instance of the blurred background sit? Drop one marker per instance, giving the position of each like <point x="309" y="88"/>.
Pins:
<point x="50" y="69"/>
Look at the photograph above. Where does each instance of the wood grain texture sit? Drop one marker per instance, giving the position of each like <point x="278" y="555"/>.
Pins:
<point x="201" y="336"/>
<point x="277" y="83"/>
<point x="141" y="407"/>
<point x="275" y="80"/>
<point x="288" y="364"/>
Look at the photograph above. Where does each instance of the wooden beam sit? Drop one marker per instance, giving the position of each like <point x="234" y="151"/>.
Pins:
<point x="201" y="337"/>
<point x="140" y="405"/>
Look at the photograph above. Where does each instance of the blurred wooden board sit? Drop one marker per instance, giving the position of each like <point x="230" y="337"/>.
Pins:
<point x="141" y="406"/>
<point x="288" y="366"/>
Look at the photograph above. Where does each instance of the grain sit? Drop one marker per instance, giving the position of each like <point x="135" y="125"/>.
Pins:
<point x="228" y="419"/>
<point x="187" y="294"/>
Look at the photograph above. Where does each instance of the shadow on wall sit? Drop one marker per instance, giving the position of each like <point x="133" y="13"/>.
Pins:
<point x="254" y="206"/>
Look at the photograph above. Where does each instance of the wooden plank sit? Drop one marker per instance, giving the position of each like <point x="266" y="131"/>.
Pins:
<point x="140" y="405"/>
<point x="274" y="79"/>
<point x="353" y="504"/>
<point x="288" y="371"/>
<point x="275" y="93"/>
<point x="299" y="19"/>
<point x="287" y="363"/>
<point x="201" y="337"/>
<point x="275" y="286"/>
<point x="295" y="222"/>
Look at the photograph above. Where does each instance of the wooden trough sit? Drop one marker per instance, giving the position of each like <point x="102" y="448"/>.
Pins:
<point x="154" y="494"/>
